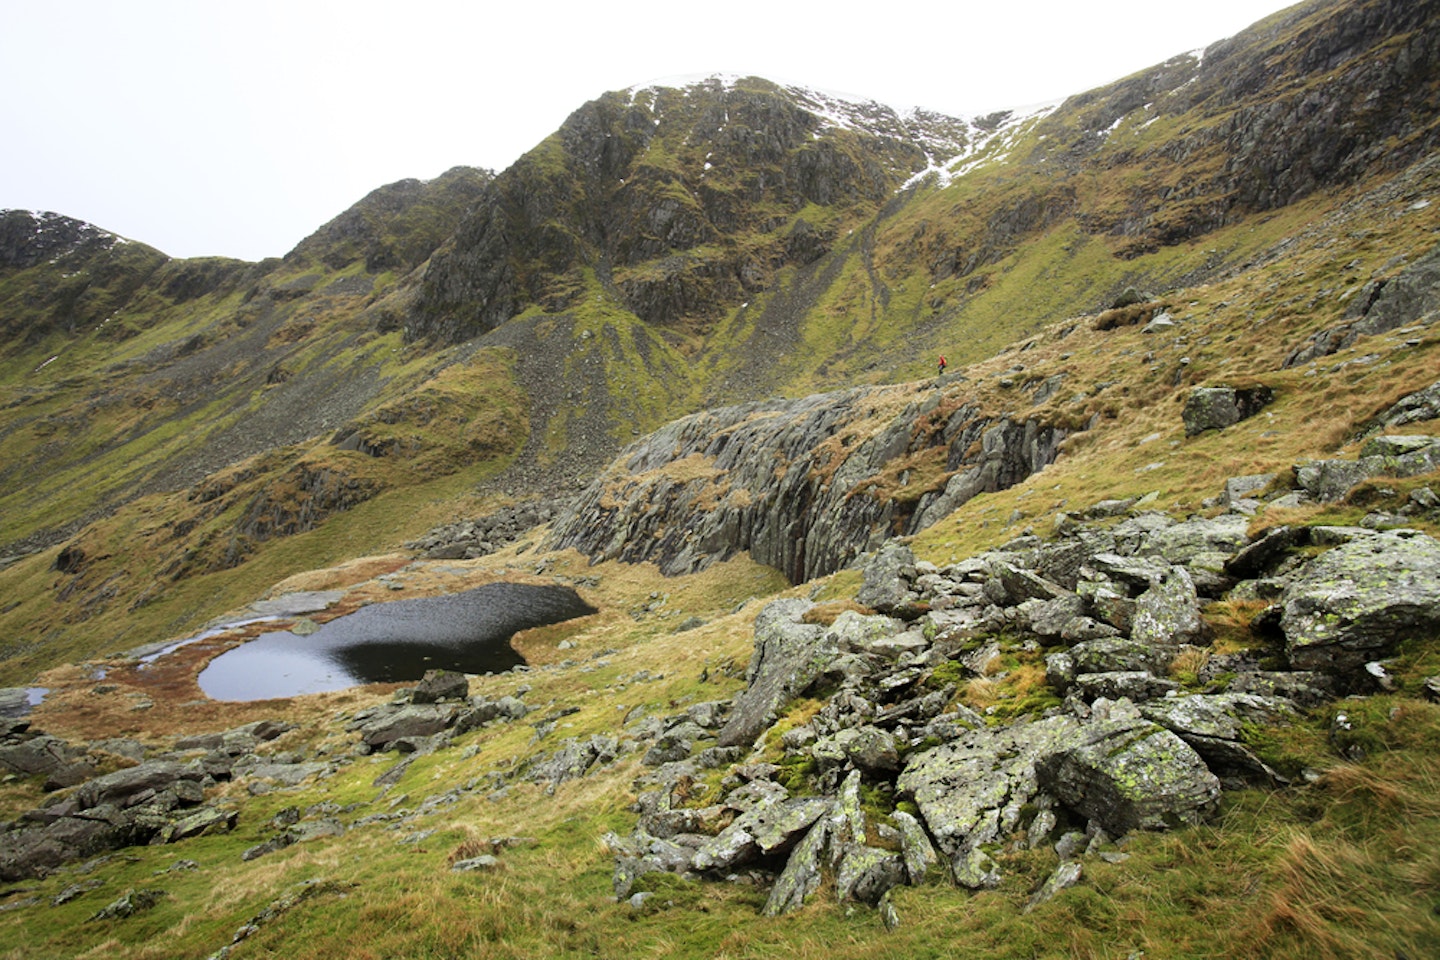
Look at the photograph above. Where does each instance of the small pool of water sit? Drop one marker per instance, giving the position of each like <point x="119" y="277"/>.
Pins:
<point x="392" y="642"/>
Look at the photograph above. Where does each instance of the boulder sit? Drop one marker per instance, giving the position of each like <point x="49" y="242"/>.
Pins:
<point x="1134" y="685"/>
<point x="1421" y="405"/>
<point x="777" y="827"/>
<point x="39" y="755"/>
<point x="867" y="747"/>
<point x="1215" y="408"/>
<point x="1130" y="774"/>
<point x="1168" y="614"/>
<point x="574" y="757"/>
<point x="1214" y="725"/>
<point x="1265" y="553"/>
<point x="731" y="847"/>
<point x="641" y="854"/>
<point x="789" y="656"/>
<point x="856" y="633"/>
<point x="203" y="821"/>
<point x="1353" y="604"/>
<point x="803" y="874"/>
<point x="416" y="720"/>
<point x="33" y="853"/>
<point x="915" y="847"/>
<point x="1112" y="654"/>
<point x="127" y="786"/>
<point x="676" y="743"/>
<point x="887" y="574"/>
<point x="439" y="685"/>
<point x="865" y="874"/>
<point x="972" y="791"/>
<point x="14" y="702"/>
<point x="1390" y="456"/>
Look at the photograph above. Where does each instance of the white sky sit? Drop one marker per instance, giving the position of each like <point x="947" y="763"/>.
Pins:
<point x="239" y="128"/>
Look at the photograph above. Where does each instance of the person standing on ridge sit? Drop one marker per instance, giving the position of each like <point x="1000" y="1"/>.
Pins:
<point x="942" y="366"/>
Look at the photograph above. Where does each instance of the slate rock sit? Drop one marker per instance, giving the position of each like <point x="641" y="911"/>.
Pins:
<point x="38" y="755"/>
<point x="1112" y="654"/>
<point x="777" y="827"/>
<point x="129" y="785"/>
<point x="1262" y="556"/>
<point x="201" y="822"/>
<point x="887" y="574"/>
<point x="133" y="902"/>
<point x="486" y="861"/>
<point x="1239" y="490"/>
<point x="14" y="702"/>
<point x="674" y="744"/>
<point x="1066" y="875"/>
<point x="1133" y="685"/>
<point x="869" y="748"/>
<point x="1215" y="724"/>
<point x="731" y="847"/>
<point x="1329" y="480"/>
<point x="803" y="873"/>
<point x="573" y="759"/>
<point x="915" y="847"/>
<point x="865" y="874"/>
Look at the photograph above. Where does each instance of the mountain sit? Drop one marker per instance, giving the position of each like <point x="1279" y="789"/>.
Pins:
<point x="680" y="357"/>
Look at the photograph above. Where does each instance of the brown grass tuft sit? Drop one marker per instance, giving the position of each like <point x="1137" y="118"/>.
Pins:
<point x="825" y="614"/>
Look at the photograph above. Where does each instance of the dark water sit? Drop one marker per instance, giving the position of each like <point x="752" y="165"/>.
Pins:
<point x="392" y="643"/>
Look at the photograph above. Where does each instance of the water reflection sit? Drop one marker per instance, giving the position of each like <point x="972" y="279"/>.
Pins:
<point x="392" y="642"/>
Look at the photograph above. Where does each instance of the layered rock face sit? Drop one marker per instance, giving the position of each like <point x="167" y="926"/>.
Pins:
<point x="804" y="485"/>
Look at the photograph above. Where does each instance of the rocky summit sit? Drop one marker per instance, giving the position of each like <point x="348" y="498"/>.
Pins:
<point x="1117" y="636"/>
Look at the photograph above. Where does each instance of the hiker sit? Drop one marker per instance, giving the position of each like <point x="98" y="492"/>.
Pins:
<point x="942" y="366"/>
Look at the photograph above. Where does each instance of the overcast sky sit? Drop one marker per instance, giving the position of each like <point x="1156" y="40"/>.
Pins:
<point x="239" y="128"/>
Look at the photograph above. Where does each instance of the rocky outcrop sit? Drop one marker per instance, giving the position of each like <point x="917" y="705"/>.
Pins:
<point x="425" y="717"/>
<point x="1414" y="408"/>
<point x="481" y="536"/>
<point x="1138" y="725"/>
<point x="1382" y="305"/>
<point x="804" y="485"/>
<point x="160" y="799"/>
<point x="789" y="656"/>
<point x="1385" y="456"/>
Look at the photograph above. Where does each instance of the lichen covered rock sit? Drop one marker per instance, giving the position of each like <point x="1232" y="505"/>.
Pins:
<point x="1356" y="602"/>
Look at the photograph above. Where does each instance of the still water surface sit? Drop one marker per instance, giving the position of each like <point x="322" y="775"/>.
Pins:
<point x="392" y="642"/>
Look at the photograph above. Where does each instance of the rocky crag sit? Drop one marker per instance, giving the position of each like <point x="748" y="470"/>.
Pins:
<point x="1120" y="714"/>
<point x="804" y="485"/>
